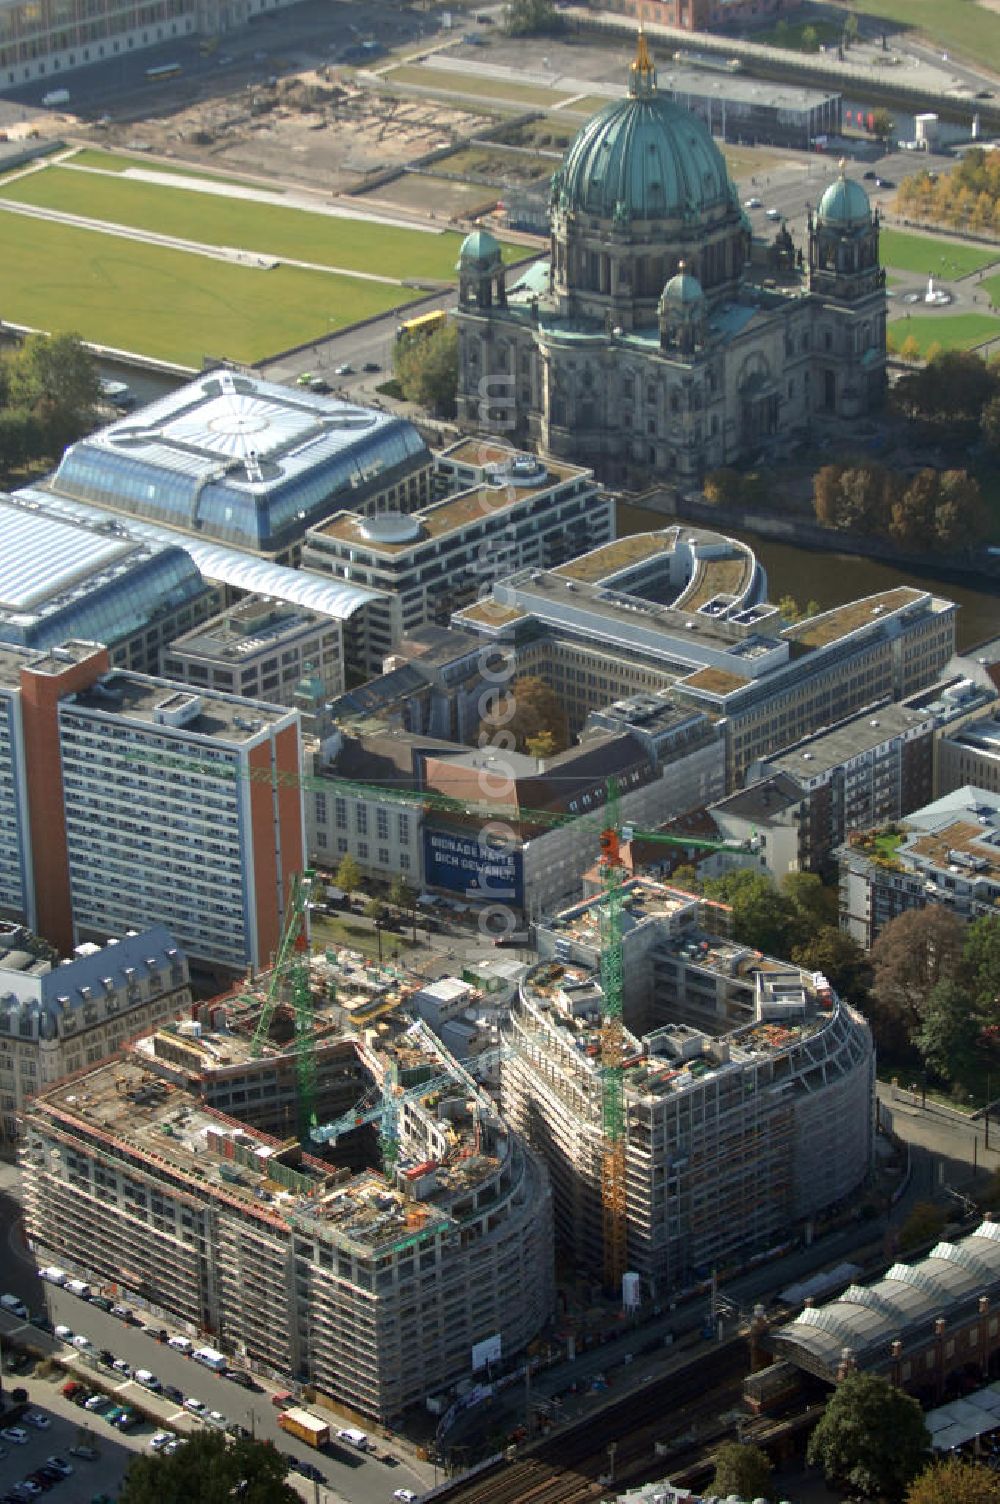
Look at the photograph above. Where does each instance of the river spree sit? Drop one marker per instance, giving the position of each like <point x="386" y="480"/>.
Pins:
<point x="829" y="578"/>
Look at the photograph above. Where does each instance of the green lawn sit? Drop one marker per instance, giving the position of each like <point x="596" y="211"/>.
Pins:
<point x="170" y="304"/>
<point x="791" y="35"/>
<point x="952" y="331"/>
<point x="353" y="244"/>
<point x="992" y="286"/>
<point x="961" y="24"/>
<point x="445" y="82"/>
<point x="926" y="253"/>
<point x="112" y="161"/>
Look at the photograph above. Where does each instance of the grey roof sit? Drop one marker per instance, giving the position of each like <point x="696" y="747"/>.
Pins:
<point x="904" y="1304"/>
<point x="968" y="801"/>
<point x="201" y="712"/>
<point x="42" y="995"/>
<point x="860" y="734"/>
<point x="228" y="566"/>
<point x="762" y="800"/>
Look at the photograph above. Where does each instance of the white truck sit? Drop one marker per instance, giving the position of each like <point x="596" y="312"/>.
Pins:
<point x="55" y="98"/>
<point x="354" y="1438"/>
<point x="216" y="1361"/>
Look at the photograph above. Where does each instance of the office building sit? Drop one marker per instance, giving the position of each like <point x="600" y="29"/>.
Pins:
<point x="684" y="611"/>
<point x="526" y="827"/>
<point x="63" y="578"/>
<point x="801" y="804"/>
<point x="970" y="754"/>
<point x="244" y="462"/>
<point x="56" y="1017"/>
<point x="947" y="853"/>
<point x="510" y="512"/>
<point x="41" y="44"/>
<point x="650" y="344"/>
<point x="748" y="1087"/>
<point x="260" y="649"/>
<point x="707" y="15"/>
<point x="375" y="1286"/>
<point x="131" y="801"/>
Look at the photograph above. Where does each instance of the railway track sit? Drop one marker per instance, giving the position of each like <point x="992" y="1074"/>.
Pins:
<point x="565" y="1469"/>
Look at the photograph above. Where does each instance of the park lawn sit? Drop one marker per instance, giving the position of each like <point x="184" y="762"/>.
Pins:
<point x="960" y="24"/>
<point x="446" y="82"/>
<point x="587" y="104"/>
<point x="952" y="331"/>
<point x="926" y="254"/>
<point x="173" y="305"/>
<point x="992" y="286"/>
<point x="270" y="229"/>
<point x="112" y="161"/>
<point x="791" y="35"/>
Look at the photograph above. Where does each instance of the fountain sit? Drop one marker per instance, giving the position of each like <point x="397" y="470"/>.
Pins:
<point x="936" y="297"/>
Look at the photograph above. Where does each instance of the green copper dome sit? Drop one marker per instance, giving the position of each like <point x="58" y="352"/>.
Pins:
<point x="683" y="288"/>
<point x="480" y="247"/>
<point x="845" y="203"/>
<point x="644" y="157"/>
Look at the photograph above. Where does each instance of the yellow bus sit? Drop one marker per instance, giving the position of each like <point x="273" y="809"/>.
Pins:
<point x="424" y="323"/>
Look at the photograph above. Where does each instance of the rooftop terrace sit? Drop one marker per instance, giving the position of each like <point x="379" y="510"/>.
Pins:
<point x="819" y="631"/>
<point x="612" y="557"/>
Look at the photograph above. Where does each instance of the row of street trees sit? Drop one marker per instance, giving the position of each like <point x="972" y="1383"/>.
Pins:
<point x="967" y="196"/>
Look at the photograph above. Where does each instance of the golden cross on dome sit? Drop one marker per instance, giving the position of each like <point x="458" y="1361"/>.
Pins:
<point x="642" y="74"/>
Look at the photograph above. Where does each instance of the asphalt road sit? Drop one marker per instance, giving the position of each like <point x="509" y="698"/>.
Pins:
<point x="359" y="1478"/>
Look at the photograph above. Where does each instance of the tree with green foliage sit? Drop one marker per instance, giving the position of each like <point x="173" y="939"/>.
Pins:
<point x="981" y="967"/>
<point x="955" y="1481"/>
<point x="762" y="918"/>
<point x="374" y="910"/>
<point x="426" y="367"/>
<point x="810" y="39"/>
<point x="850" y="29"/>
<point x="841" y="960"/>
<point x="209" y="1469"/>
<point x="529" y="18"/>
<point x="348" y="874"/>
<point x="402" y="893"/>
<point x="883" y="127"/>
<point x="871" y="1438"/>
<point x="741" y="1470"/>
<point x="949" y="1032"/>
<point x="55" y="377"/>
<point x="814" y="904"/>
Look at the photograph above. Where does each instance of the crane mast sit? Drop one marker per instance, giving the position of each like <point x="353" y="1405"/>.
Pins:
<point x="613" y="1188"/>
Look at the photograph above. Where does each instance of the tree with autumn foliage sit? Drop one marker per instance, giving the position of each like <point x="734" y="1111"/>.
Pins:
<point x="527" y="710"/>
<point x="955" y="1481"/>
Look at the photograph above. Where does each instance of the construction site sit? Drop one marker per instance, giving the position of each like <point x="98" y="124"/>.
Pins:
<point x="375" y="1255"/>
<point x="745" y="1087"/>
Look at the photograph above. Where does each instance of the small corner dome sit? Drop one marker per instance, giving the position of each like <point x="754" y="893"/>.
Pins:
<point x="845" y="203"/>
<point x="684" y="287"/>
<point x="479" y="249"/>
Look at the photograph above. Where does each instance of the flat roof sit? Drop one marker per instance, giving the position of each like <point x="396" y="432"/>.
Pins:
<point x="251" y="626"/>
<point x="818" y="631"/>
<point x="715" y="681"/>
<point x="204" y="712"/>
<point x="830" y="749"/>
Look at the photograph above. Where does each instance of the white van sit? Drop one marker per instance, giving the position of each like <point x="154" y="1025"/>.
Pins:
<point x="54" y="98"/>
<point x="354" y="1437"/>
<point x="14" y="1306"/>
<point x="180" y="1344"/>
<point x="54" y="1275"/>
<point x="78" y="1287"/>
<point x="216" y="1361"/>
<point x="147" y="1379"/>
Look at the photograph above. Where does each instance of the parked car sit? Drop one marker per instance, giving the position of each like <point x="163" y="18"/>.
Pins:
<point x="101" y="1302"/>
<point x="871" y="175"/>
<point x="311" y="1471"/>
<point x="171" y="1392"/>
<point x="106" y="1358"/>
<point x="371" y="365"/>
<point x="97" y="1404"/>
<point x="319" y="384"/>
<point x="195" y="1406"/>
<point x="88" y="1453"/>
<point x="38" y="1420"/>
<point x="64" y="1333"/>
<point x="16" y="1434"/>
<point x="344" y="370"/>
<point x="159" y="1440"/>
<point x="120" y="1366"/>
<point x="82" y="1342"/>
<point x="72" y="1388"/>
<point x="60" y="1465"/>
<point x="753" y="203"/>
<point x="774" y="214"/>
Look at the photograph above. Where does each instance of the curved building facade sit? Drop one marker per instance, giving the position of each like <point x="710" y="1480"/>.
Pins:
<point x="749" y="1088"/>
<point x="601" y="354"/>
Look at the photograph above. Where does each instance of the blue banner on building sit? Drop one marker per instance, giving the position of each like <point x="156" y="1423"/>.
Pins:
<point x="458" y="862"/>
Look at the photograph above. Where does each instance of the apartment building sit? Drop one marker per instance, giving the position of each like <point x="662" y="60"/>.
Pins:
<point x="688" y="606"/>
<point x="511" y="511"/>
<point x="873" y="768"/>
<point x="947" y="853"/>
<point x="969" y="754"/>
<point x="132" y="801"/>
<point x="261" y="649"/>
<point x="375" y="1286"/>
<point x="56" y="1017"/>
<point x="748" y="1087"/>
